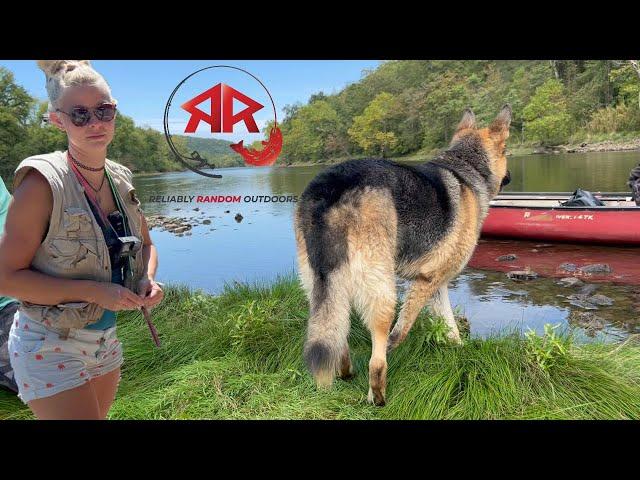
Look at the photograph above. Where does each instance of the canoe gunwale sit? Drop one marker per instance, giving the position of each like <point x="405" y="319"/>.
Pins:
<point x="560" y="207"/>
<point x="562" y="194"/>
<point x="622" y="197"/>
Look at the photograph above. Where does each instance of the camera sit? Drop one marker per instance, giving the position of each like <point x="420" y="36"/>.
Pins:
<point x="127" y="246"/>
<point x="122" y="246"/>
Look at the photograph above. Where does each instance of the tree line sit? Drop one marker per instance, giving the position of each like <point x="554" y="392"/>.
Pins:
<point x="23" y="133"/>
<point x="400" y="108"/>
<point x="408" y="107"/>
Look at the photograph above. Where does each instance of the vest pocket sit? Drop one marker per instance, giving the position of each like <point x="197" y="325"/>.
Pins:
<point x="77" y="246"/>
<point x="72" y="254"/>
<point x="77" y="223"/>
<point x="64" y="315"/>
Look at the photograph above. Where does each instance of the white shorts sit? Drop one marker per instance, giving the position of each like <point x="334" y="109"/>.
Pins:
<point x="45" y="363"/>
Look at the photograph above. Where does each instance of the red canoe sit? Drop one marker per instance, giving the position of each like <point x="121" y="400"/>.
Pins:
<point x="539" y="216"/>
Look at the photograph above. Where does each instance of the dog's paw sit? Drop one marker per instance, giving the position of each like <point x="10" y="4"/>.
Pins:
<point x="455" y="339"/>
<point x="347" y="376"/>
<point x="376" y="398"/>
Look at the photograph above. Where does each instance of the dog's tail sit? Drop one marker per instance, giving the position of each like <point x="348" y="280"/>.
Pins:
<point x="327" y="330"/>
<point x="323" y="263"/>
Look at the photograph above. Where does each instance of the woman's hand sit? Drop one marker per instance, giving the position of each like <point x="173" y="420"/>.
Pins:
<point x="115" y="297"/>
<point x="150" y="292"/>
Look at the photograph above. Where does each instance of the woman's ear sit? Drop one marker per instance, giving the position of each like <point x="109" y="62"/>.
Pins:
<point x="54" y="119"/>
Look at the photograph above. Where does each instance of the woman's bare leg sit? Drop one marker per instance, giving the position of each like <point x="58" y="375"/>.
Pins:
<point x="90" y="401"/>
<point x="105" y="387"/>
<point x="80" y="403"/>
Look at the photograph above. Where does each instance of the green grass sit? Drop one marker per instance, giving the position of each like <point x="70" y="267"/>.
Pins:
<point x="238" y="356"/>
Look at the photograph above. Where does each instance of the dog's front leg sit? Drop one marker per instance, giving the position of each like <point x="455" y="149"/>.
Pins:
<point x="441" y="306"/>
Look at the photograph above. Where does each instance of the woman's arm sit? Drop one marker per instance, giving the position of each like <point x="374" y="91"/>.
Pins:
<point x="147" y="287"/>
<point x="25" y="228"/>
<point x="149" y="252"/>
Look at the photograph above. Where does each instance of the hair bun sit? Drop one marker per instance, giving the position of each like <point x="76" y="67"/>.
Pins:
<point x="57" y="67"/>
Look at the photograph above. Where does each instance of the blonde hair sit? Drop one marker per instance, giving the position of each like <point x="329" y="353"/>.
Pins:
<point x="64" y="74"/>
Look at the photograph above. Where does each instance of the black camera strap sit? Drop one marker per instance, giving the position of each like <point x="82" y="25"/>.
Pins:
<point x="123" y="212"/>
<point x="109" y="233"/>
<point x="119" y="205"/>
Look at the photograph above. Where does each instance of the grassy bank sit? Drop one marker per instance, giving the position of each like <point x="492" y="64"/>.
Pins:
<point x="238" y="356"/>
<point x="580" y="142"/>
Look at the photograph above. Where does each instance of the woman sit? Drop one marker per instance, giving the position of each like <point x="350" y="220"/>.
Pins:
<point x="76" y="250"/>
<point x="8" y="307"/>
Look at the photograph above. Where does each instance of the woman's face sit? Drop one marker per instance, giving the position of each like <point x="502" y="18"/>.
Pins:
<point x="95" y="135"/>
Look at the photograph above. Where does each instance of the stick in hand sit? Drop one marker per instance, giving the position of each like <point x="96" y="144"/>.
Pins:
<point x="152" y="327"/>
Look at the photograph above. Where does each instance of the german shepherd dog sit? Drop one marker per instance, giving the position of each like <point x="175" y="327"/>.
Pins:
<point x="360" y="223"/>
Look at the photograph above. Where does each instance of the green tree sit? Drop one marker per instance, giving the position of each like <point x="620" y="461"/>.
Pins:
<point x="626" y="80"/>
<point x="546" y="117"/>
<point x="635" y="66"/>
<point x="591" y="89"/>
<point x="520" y="89"/>
<point x="23" y="134"/>
<point x="15" y="109"/>
<point x="39" y="138"/>
<point x="308" y="135"/>
<point x="373" y="130"/>
<point x="445" y="97"/>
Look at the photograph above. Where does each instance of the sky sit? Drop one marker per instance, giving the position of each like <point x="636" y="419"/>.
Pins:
<point x="142" y="87"/>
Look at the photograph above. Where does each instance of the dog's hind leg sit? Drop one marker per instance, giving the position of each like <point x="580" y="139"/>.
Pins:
<point x="376" y="301"/>
<point x="420" y="291"/>
<point x="379" y="321"/>
<point x="441" y="305"/>
<point x="345" y="370"/>
<point x="380" y="326"/>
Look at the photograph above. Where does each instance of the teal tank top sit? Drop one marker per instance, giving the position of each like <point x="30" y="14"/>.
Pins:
<point x="108" y="318"/>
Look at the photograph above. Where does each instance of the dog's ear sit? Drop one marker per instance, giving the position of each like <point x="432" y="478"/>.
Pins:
<point x="468" y="120"/>
<point x="500" y="126"/>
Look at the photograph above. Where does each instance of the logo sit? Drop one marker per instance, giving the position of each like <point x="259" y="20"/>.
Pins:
<point x="542" y="217"/>
<point x="223" y="120"/>
<point x="229" y="108"/>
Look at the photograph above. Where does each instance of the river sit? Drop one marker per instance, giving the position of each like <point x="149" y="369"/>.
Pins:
<point x="261" y="246"/>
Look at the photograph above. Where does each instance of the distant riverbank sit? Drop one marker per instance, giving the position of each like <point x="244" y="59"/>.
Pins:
<point x="604" y="146"/>
<point x="621" y="145"/>
<point x="613" y="145"/>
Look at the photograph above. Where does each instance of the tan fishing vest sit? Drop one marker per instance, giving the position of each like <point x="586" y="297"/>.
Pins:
<point x="75" y="247"/>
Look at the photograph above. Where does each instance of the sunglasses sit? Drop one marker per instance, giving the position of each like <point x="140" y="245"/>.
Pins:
<point x="81" y="116"/>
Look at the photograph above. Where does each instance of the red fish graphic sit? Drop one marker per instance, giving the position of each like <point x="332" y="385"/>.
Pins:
<point x="265" y="157"/>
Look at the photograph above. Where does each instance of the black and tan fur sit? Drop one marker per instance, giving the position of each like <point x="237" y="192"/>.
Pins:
<point x="360" y="223"/>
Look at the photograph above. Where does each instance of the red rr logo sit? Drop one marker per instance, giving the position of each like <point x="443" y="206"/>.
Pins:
<point x="221" y="117"/>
